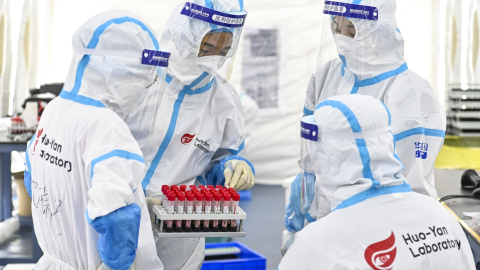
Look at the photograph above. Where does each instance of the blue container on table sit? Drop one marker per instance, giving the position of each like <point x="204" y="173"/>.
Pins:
<point x="247" y="258"/>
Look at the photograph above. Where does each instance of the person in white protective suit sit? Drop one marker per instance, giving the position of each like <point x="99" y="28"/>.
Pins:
<point x="365" y="55"/>
<point x="370" y="218"/>
<point x="84" y="167"/>
<point x="198" y="135"/>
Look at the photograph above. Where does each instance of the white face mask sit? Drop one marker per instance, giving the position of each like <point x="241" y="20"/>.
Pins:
<point x="210" y="64"/>
<point x="344" y="44"/>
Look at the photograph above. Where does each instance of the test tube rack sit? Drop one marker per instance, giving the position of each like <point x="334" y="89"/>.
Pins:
<point x="161" y="216"/>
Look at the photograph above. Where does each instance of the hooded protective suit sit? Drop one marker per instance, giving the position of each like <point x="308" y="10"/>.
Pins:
<point x="372" y="63"/>
<point x="199" y="123"/>
<point x="84" y="167"/>
<point x="371" y="217"/>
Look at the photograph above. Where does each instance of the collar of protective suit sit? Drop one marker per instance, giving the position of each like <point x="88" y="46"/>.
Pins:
<point x="109" y="75"/>
<point x="357" y="161"/>
<point x="378" y="45"/>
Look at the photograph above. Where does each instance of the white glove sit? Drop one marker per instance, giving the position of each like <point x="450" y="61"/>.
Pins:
<point x="238" y="175"/>
<point x="105" y="267"/>
<point x="151" y="201"/>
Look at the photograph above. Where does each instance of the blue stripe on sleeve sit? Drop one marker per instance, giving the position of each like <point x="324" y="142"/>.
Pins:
<point x="115" y="153"/>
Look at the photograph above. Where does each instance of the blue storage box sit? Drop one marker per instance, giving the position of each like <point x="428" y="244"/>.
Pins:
<point x="247" y="258"/>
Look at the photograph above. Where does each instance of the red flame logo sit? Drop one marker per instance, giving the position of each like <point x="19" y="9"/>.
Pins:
<point x="186" y="138"/>
<point x="380" y="255"/>
<point x="39" y="133"/>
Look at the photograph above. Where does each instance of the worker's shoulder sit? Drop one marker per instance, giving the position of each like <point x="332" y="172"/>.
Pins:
<point x="225" y="91"/>
<point x="414" y="81"/>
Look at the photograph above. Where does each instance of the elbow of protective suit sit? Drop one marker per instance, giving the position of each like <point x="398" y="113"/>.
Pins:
<point x="216" y="174"/>
<point x="118" y="236"/>
<point x="296" y="213"/>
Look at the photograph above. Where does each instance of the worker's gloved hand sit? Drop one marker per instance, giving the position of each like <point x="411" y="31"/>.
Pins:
<point x="105" y="267"/>
<point x="118" y="236"/>
<point x="294" y="218"/>
<point x="238" y="175"/>
<point x="151" y="201"/>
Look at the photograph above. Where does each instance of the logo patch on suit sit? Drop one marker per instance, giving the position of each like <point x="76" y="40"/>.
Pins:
<point x="381" y="255"/>
<point x="186" y="138"/>
<point x="39" y="133"/>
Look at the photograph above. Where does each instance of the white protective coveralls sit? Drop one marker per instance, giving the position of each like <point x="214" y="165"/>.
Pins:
<point x="372" y="63"/>
<point x="84" y="167"/>
<point x="199" y="123"/>
<point x="371" y="217"/>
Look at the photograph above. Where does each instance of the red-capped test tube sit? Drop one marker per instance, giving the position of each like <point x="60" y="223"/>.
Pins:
<point x="170" y="210"/>
<point x="208" y="210"/>
<point x="189" y="210"/>
<point x="180" y="209"/>
<point x="234" y="210"/>
<point x="217" y="200"/>
<point x="198" y="210"/>
<point x="225" y="210"/>
<point x="164" y="197"/>
<point x="183" y="188"/>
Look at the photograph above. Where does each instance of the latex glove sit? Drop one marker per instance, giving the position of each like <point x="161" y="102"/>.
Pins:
<point x="118" y="236"/>
<point x="151" y="201"/>
<point x="105" y="267"/>
<point x="238" y="175"/>
<point x="294" y="219"/>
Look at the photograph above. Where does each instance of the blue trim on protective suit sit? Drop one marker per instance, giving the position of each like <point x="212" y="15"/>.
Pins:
<point x="374" y="191"/>
<point x="419" y="131"/>
<point x="398" y="30"/>
<point x="355" y="126"/>
<point x="118" y="236"/>
<point x="215" y="175"/>
<point x="168" y="78"/>
<point x="81" y="99"/>
<point x="388" y="112"/>
<point x="115" y="153"/>
<point x="306" y="111"/>
<point x="240" y="149"/>
<point x="27" y="174"/>
<point x="309" y="218"/>
<point x="378" y="78"/>
<point x="209" y="4"/>
<point x="173" y="122"/>
<point x="94" y="42"/>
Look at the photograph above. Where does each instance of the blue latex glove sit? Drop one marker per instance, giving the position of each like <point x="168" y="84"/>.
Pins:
<point x="294" y="219"/>
<point x="118" y="236"/>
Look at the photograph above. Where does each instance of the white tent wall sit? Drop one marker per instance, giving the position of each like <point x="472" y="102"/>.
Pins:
<point x="10" y="19"/>
<point x="274" y="147"/>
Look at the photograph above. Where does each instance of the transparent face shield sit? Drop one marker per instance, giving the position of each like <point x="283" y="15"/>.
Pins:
<point x="206" y="40"/>
<point x="355" y="42"/>
<point x="309" y="135"/>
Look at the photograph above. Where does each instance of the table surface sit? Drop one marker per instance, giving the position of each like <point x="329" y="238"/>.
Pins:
<point x="447" y="182"/>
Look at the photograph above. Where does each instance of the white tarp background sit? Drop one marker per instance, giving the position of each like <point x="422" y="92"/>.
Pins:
<point x="293" y="25"/>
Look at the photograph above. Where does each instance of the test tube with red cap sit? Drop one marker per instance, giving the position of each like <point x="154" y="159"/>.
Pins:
<point x="234" y="210"/>
<point x="225" y="210"/>
<point x="208" y="210"/>
<point x="163" y="197"/>
<point x="170" y="210"/>
<point x="189" y="210"/>
<point x="198" y="210"/>
<point x="217" y="200"/>
<point x="180" y="209"/>
<point x="183" y="188"/>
